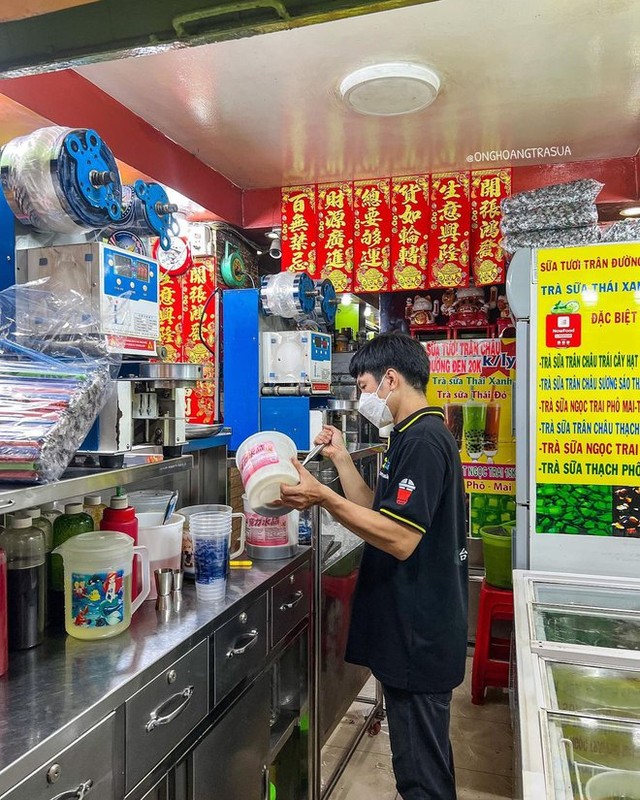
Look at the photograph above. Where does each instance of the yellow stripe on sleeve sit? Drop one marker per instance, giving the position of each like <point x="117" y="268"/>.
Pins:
<point x="403" y="520"/>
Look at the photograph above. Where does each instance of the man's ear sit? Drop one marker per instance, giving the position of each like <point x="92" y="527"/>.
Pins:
<point x="394" y="378"/>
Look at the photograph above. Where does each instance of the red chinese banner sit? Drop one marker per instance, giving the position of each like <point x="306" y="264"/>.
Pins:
<point x="409" y="232"/>
<point x="171" y="333"/>
<point x="199" y="324"/>
<point x="299" y="226"/>
<point x="372" y="235"/>
<point x="450" y="230"/>
<point x="488" y="189"/>
<point x="335" y="234"/>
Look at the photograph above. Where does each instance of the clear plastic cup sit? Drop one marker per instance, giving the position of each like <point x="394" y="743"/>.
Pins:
<point x="211" y="536"/>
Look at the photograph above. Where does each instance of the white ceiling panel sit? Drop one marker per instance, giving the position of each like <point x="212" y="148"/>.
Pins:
<point x="264" y="111"/>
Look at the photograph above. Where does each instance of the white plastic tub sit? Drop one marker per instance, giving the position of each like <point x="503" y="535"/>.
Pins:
<point x="264" y="461"/>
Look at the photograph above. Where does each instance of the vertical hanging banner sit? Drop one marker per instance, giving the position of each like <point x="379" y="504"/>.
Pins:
<point x="299" y="227"/>
<point x="488" y="189"/>
<point x="335" y="234"/>
<point x="372" y="235"/>
<point x="199" y="326"/>
<point x="450" y="230"/>
<point x="171" y="321"/>
<point x="409" y="232"/>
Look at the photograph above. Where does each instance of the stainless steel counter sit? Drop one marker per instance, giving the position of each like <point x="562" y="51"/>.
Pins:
<point x="65" y="686"/>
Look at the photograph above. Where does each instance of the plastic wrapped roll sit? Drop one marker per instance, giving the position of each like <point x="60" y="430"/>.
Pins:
<point x="61" y="179"/>
<point x="288" y="294"/>
<point x="146" y="211"/>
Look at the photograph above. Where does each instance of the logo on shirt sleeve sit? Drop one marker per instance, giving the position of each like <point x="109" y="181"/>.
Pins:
<point x="406" y="488"/>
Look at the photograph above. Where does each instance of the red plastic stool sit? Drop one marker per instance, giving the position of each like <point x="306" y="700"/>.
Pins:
<point x="491" y="655"/>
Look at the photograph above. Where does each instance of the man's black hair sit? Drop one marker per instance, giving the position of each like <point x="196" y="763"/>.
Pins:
<point x="393" y="351"/>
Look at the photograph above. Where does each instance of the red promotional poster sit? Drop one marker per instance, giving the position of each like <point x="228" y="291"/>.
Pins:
<point x="488" y="189"/>
<point x="299" y="230"/>
<point x="450" y="230"/>
<point x="372" y="235"/>
<point x="335" y="234"/>
<point x="409" y="232"/>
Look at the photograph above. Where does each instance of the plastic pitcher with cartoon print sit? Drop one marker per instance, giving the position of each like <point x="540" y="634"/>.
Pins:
<point x="97" y="583"/>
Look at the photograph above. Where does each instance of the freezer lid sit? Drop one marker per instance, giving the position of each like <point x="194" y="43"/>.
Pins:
<point x="586" y="596"/>
<point x="595" y="691"/>
<point x="586" y="628"/>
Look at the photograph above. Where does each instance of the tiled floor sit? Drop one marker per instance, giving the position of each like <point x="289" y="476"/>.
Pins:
<point x="482" y="745"/>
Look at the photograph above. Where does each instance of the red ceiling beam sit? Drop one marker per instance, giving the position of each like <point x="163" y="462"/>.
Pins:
<point x="67" y="98"/>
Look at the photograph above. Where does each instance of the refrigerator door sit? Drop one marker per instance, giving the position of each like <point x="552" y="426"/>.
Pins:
<point x="592" y="758"/>
<point x="597" y="691"/>
<point x="586" y="596"/>
<point x="585" y="628"/>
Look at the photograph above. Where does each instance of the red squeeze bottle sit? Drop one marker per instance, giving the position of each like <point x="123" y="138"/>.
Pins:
<point x="4" y="640"/>
<point x="120" y="516"/>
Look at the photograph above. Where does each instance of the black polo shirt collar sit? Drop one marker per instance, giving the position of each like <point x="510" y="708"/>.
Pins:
<point x="407" y="422"/>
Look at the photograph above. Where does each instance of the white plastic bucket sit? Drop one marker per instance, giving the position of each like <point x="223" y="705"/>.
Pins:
<point x="150" y="500"/>
<point x="270" y="537"/>
<point x="264" y="461"/>
<point x="164" y="543"/>
<point x="616" y="783"/>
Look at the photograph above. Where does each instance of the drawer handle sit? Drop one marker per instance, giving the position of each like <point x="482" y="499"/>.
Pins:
<point x="157" y="718"/>
<point x="76" y="794"/>
<point x="252" y="637"/>
<point x="295" y="599"/>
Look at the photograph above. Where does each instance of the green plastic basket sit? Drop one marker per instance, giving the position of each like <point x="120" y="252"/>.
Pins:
<point x="496" y="545"/>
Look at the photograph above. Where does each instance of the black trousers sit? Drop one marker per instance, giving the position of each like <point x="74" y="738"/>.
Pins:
<point x="422" y="754"/>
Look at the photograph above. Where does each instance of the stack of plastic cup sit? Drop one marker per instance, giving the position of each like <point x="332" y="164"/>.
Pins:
<point x="211" y="535"/>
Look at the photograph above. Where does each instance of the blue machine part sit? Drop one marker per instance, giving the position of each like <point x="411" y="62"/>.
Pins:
<point x="89" y="179"/>
<point x="153" y="213"/>
<point x="328" y="301"/>
<point x="289" y="415"/>
<point x="7" y="245"/>
<point x="305" y="293"/>
<point x="241" y="363"/>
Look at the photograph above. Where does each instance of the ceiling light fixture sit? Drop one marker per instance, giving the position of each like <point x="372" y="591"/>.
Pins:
<point x="275" y="248"/>
<point x="631" y="211"/>
<point x="386" y="90"/>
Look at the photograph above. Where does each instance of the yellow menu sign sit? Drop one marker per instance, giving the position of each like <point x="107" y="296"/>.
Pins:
<point x="587" y="390"/>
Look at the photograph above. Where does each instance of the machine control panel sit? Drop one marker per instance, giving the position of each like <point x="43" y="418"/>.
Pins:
<point x="296" y="357"/>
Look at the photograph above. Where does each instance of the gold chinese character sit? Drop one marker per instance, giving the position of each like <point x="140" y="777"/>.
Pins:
<point x="490" y="209"/>
<point x="167" y="295"/>
<point x="371" y="197"/>
<point x="197" y="294"/>
<point x="335" y="259"/>
<point x="299" y="241"/>
<point x="334" y="199"/>
<point x="299" y="202"/>
<point x="335" y="239"/>
<point x="409" y="216"/>
<point x="371" y="218"/>
<point x="447" y="252"/>
<point x="335" y="219"/>
<point x="195" y="313"/>
<point x="298" y="262"/>
<point x="198" y="275"/>
<point x="490" y="187"/>
<point x="486" y="249"/>
<point x="409" y="255"/>
<point x="489" y="230"/>
<point x="408" y="235"/>
<point x="372" y="257"/>
<point x="372" y="236"/>
<point x="166" y="316"/>
<point x="451" y="211"/>
<point x="298" y="223"/>
<point x="450" y="230"/>
<point x="449" y="189"/>
<point x="409" y="192"/>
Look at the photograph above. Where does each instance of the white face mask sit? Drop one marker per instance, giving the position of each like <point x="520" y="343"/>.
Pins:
<point x="374" y="408"/>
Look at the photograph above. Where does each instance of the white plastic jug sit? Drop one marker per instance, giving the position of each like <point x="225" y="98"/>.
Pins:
<point x="97" y="583"/>
<point x="264" y="461"/>
<point x="164" y="543"/>
<point x="150" y="500"/>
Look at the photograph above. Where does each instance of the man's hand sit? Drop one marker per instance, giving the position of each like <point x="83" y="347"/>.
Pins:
<point x="309" y="492"/>
<point x="333" y="441"/>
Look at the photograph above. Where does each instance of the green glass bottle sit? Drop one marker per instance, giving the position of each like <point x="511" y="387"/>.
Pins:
<point x="71" y="523"/>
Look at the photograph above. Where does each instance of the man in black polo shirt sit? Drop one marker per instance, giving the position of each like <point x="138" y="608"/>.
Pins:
<point x="409" y="620"/>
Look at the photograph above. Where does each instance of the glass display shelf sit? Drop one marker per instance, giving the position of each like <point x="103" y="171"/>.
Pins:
<point x="593" y="759"/>
<point x="596" y="691"/>
<point x="614" y="630"/>
<point x="585" y="596"/>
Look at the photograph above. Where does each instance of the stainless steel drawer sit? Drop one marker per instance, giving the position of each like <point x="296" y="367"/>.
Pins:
<point x="240" y="646"/>
<point x="290" y="601"/>
<point x="86" y="767"/>
<point x="161" y="714"/>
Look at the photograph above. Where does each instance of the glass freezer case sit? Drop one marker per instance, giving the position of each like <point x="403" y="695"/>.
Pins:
<point x="577" y="702"/>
